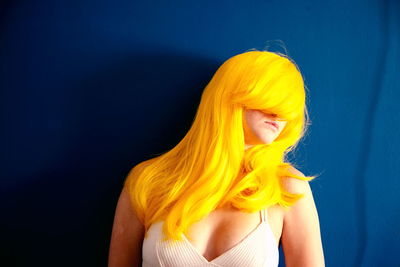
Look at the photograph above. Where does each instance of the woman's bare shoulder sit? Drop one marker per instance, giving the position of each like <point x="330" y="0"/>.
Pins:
<point x="128" y="231"/>
<point x="301" y="239"/>
<point x="294" y="185"/>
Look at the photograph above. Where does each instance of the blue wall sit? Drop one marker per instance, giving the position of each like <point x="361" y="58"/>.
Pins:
<point x="90" y="88"/>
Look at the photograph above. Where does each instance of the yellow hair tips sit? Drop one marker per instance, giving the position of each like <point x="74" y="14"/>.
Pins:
<point x="210" y="167"/>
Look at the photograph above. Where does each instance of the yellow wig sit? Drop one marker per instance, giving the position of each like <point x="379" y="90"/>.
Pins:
<point x="210" y="168"/>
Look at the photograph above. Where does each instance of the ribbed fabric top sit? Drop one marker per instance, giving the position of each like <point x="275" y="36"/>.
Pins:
<point x="257" y="249"/>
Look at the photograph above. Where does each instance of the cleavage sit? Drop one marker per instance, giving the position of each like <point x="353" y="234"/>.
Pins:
<point x="211" y="241"/>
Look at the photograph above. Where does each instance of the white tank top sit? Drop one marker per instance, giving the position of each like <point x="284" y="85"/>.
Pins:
<point x="257" y="249"/>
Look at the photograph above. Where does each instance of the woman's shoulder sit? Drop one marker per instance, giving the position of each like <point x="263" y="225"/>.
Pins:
<point x="295" y="185"/>
<point x="301" y="239"/>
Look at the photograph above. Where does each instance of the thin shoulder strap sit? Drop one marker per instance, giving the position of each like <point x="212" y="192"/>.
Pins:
<point x="263" y="215"/>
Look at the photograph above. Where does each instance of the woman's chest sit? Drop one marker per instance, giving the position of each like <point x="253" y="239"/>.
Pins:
<point x="223" y="238"/>
<point x="224" y="230"/>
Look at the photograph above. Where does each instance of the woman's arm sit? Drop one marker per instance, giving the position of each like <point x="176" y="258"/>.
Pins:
<point x="301" y="237"/>
<point x="127" y="235"/>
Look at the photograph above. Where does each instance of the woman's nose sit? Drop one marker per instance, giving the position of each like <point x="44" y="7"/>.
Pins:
<point x="272" y="116"/>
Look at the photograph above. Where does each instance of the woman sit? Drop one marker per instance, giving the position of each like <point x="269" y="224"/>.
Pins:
<point x="226" y="195"/>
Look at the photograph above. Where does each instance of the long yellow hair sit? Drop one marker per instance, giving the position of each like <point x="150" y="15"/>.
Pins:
<point x="210" y="167"/>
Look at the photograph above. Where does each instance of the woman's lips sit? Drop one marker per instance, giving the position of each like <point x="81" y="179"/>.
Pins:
<point x="273" y="124"/>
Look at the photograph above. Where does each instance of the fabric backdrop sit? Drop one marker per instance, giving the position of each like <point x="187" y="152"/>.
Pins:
<point x="91" y="88"/>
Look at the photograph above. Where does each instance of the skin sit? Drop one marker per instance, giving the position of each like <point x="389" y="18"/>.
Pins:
<point x="257" y="130"/>
<point x="297" y="229"/>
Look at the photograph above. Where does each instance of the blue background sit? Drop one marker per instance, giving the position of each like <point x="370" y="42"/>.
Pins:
<point x="91" y="88"/>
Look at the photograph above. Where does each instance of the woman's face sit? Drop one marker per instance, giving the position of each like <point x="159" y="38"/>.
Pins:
<point x="260" y="128"/>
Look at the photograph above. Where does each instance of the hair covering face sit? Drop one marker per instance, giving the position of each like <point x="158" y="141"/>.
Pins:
<point x="210" y="168"/>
